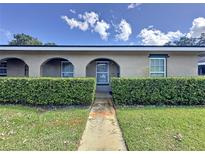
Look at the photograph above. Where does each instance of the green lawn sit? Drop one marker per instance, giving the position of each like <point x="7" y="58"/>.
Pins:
<point x="26" y="128"/>
<point x="163" y="128"/>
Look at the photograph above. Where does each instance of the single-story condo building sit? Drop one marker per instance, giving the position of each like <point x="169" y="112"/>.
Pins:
<point x="102" y="62"/>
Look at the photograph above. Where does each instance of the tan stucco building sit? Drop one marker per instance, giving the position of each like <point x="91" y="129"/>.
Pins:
<point x="102" y="62"/>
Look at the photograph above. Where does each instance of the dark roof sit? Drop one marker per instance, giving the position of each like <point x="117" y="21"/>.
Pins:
<point x="99" y="46"/>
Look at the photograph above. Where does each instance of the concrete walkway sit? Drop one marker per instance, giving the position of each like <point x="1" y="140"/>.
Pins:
<point x="102" y="132"/>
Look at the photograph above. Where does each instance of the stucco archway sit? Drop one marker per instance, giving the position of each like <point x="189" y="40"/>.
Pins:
<point x="103" y="69"/>
<point x="57" y="67"/>
<point x="13" y="67"/>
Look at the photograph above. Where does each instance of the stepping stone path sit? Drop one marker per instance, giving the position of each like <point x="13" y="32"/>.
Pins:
<point x="102" y="132"/>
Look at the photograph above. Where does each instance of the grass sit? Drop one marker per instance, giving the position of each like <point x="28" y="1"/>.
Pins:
<point x="163" y="128"/>
<point x="26" y="128"/>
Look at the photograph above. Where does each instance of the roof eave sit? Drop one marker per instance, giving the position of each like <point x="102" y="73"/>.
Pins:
<point x="101" y="48"/>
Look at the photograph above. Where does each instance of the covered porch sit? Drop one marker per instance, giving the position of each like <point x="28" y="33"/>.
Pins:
<point x="57" y="67"/>
<point x="103" y="70"/>
<point x="13" y="67"/>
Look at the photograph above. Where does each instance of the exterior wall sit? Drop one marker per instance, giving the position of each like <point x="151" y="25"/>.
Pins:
<point x="91" y="69"/>
<point x="131" y="64"/>
<point x="179" y="64"/>
<point x="201" y="59"/>
<point x="15" y="68"/>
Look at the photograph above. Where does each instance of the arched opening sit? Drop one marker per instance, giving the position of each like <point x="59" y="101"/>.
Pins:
<point x="13" y="67"/>
<point x="57" y="67"/>
<point x="103" y="69"/>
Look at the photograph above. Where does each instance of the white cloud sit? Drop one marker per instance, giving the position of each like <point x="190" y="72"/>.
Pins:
<point x="151" y="36"/>
<point x="198" y="27"/>
<point x="131" y="43"/>
<point x="133" y="5"/>
<point x="83" y="26"/>
<point x="174" y="35"/>
<point x="5" y="35"/>
<point x="101" y="28"/>
<point x="72" y="11"/>
<point x="90" y="17"/>
<point x="73" y="23"/>
<point x="89" y="20"/>
<point x="124" y="30"/>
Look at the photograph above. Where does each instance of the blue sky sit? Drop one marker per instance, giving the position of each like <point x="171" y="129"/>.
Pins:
<point x="104" y="24"/>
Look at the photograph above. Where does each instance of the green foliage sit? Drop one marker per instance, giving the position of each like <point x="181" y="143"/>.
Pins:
<point x="50" y="44"/>
<point x="23" y="39"/>
<point x="188" y="41"/>
<point x="159" y="91"/>
<point x="70" y="91"/>
<point x="201" y="41"/>
<point x="185" y="41"/>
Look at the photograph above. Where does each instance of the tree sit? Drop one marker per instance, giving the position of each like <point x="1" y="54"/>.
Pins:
<point x="201" y="40"/>
<point x="23" y="39"/>
<point x="50" y="44"/>
<point x="168" y="44"/>
<point x="188" y="41"/>
<point x="185" y="41"/>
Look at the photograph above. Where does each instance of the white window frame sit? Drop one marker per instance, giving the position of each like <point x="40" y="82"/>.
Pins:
<point x="165" y="66"/>
<point x="3" y="74"/>
<point x="62" y="72"/>
<point x="108" y="72"/>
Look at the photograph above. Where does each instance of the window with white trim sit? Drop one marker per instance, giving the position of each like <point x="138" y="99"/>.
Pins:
<point x="157" y="66"/>
<point x="66" y="69"/>
<point x="3" y="68"/>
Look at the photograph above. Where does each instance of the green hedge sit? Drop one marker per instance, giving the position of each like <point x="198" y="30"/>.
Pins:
<point x="159" y="91"/>
<point x="44" y="91"/>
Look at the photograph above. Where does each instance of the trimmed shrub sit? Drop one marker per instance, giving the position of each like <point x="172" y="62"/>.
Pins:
<point x="159" y="91"/>
<point x="44" y="91"/>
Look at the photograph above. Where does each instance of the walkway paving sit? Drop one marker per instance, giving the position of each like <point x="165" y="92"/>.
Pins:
<point x="102" y="132"/>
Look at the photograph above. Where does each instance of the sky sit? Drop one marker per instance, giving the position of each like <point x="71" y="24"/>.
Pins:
<point x="102" y="24"/>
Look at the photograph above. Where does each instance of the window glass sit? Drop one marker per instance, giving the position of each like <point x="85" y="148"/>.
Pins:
<point x="161" y="62"/>
<point x="3" y="64"/>
<point x="67" y="74"/>
<point x="157" y="67"/>
<point x="102" y="67"/>
<point x="201" y="69"/>
<point x="67" y="69"/>
<point x="3" y="69"/>
<point x="102" y="78"/>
